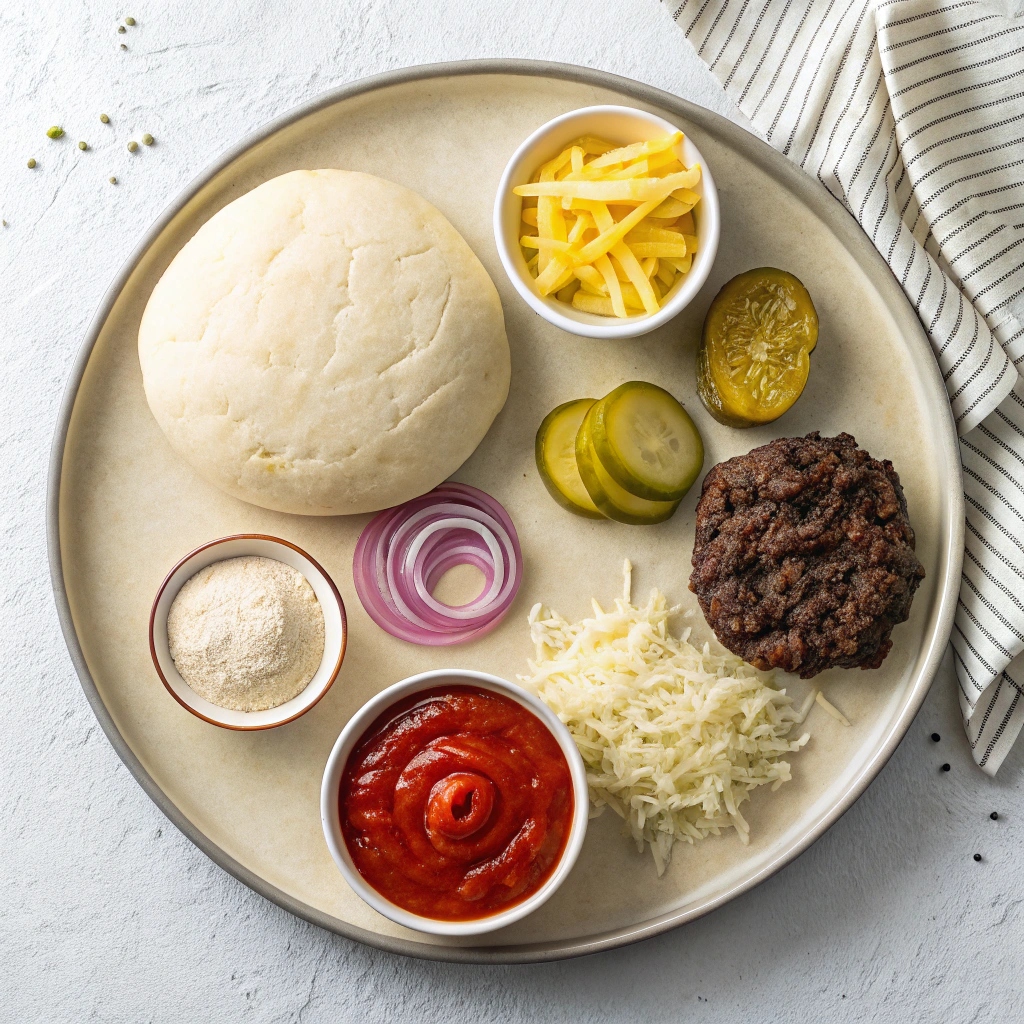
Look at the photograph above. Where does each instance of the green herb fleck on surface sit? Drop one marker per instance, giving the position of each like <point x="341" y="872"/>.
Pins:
<point x="31" y="164"/>
<point x="83" y="145"/>
<point x="129" y="21"/>
<point x="55" y="132"/>
<point x="123" y="47"/>
<point x="147" y="139"/>
<point x="113" y="180"/>
<point x="104" y="119"/>
<point x="121" y="30"/>
<point x="132" y="146"/>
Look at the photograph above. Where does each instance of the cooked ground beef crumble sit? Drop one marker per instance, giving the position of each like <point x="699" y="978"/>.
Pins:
<point x="804" y="555"/>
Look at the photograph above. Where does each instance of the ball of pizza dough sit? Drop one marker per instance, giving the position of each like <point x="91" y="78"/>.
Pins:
<point x="326" y="344"/>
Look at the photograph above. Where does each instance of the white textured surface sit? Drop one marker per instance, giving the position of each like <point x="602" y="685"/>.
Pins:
<point x="106" y="911"/>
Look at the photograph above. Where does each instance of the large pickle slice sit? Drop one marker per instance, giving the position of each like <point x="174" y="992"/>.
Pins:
<point x="647" y="442"/>
<point x="753" y="360"/>
<point x="614" y="501"/>
<point x="555" y="451"/>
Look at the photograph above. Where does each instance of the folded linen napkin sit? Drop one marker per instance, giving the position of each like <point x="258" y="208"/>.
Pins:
<point x="911" y="113"/>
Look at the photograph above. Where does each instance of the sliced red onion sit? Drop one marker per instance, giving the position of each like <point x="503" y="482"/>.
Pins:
<point x="404" y="551"/>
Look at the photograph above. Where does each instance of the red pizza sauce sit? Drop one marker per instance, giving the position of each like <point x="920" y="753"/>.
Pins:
<point x="456" y="803"/>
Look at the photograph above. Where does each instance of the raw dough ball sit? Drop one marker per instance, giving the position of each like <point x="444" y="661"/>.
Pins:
<point x="326" y="344"/>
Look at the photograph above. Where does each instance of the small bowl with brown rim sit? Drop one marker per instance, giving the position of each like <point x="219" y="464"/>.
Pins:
<point x="236" y="546"/>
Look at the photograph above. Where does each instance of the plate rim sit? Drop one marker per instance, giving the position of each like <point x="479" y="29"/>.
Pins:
<point x="814" y="195"/>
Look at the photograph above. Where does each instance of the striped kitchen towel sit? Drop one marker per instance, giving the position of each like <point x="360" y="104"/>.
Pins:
<point x="911" y="113"/>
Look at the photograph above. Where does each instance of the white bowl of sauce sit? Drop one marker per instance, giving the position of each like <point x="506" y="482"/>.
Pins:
<point x="454" y="802"/>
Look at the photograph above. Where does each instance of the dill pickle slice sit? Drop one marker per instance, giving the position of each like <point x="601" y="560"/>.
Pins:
<point x="647" y="442"/>
<point x="753" y="360"/>
<point x="555" y="450"/>
<point x="614" y="501"/>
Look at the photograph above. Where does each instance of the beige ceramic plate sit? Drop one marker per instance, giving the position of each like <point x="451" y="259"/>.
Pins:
<point x="123" y="508"/>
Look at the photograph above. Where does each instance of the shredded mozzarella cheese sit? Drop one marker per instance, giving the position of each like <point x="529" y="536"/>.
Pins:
<point x="831" y="709"/>
<point x="674" y="738"/>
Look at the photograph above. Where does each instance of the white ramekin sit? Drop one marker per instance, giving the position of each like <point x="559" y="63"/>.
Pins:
<point x="330" y="814"/>
<point x="621" y="125"/>
<point x="335" y="630"/>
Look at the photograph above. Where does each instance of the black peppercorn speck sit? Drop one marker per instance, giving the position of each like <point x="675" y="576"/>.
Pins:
<point x="977" y="856"/>
<point x="945" y="767"/>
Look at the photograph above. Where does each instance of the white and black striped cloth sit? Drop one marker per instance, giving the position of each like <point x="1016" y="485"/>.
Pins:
<point x="911" y="113"/>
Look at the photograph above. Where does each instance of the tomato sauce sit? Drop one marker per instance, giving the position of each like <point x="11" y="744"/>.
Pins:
<point x="456" y="803"/>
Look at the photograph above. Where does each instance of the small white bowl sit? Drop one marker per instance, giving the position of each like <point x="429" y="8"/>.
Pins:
<point x="622" y="125"/>
<point x="330" y="814"/>
<point x="335" y="630"/>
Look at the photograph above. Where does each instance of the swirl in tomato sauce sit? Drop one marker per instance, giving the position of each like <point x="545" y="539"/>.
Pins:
<point x="456" y="804"/>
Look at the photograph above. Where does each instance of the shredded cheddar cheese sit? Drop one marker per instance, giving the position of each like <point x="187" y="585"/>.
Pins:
<point x="610" y="229"/>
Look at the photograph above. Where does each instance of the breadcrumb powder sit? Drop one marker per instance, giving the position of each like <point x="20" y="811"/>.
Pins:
<point x="246" y="633"/>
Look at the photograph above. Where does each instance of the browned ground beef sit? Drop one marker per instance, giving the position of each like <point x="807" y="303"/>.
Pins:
<point x="804" y="557"/>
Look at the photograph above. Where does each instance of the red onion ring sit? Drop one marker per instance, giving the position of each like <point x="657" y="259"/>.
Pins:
<point x="404" y="551"/>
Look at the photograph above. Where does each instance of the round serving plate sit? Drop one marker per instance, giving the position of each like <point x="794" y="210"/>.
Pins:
<point x="122" y="508"/>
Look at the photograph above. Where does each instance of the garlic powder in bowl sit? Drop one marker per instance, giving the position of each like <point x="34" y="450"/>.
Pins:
<point x="246" y="633"/>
